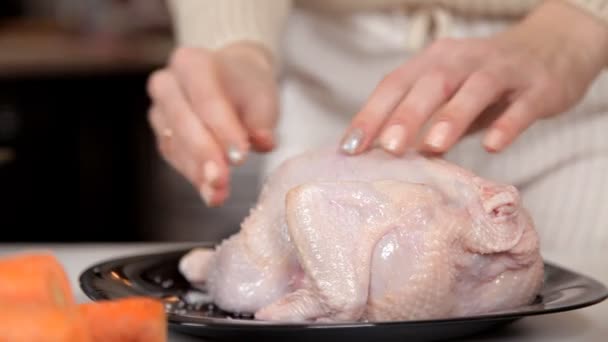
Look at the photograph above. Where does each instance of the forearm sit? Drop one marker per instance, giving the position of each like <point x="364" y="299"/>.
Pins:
<point x="587" y="22"/>
<point x="215" y="24"/>
<point x="596" y="8"/>
<point x="568" y="33"/>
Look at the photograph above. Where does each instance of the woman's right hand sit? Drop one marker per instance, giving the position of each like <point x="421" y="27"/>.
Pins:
<point x="209" y="108"/>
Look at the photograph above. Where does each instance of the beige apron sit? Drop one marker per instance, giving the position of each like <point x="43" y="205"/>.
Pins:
<point x="332" y="63"/>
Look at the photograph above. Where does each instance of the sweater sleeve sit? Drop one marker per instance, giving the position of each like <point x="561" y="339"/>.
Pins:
<point x="216" y="23"/>
<point x="597" y="8"/>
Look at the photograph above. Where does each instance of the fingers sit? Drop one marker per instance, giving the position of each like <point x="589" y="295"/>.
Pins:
<point x="479" y="91"/>
<point x="191" y="148"/>
<point x="484" y="75"/>
<point x="163" y="133"/>
<point x="367" y="123"/>
<point x="425" y="97"/>
<point x="201" y="85"/>
<point x="519" y="116"/>
<point x="253" y="89"/>
<point x="166" y="146"/>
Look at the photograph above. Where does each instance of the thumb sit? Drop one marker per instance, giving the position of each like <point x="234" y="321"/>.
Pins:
<point x="259" y="116"/>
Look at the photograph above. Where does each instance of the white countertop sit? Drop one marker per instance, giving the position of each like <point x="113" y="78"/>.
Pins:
<point x="588" y="324"/>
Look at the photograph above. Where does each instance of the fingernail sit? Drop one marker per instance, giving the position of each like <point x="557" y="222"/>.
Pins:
<point x="438" y="135"/>
<point x="211" y="172"/>
<point x="235" y="156"/>
<point x="393" y="138"/>
<point x="264" y="137"/>
<point x="352" y="141"/>
<point x="494" y="140"/>
<point x="264" y="134"/>
<point x="207" y="193"/>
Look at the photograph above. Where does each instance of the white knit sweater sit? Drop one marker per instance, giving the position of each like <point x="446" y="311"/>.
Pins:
<point x="216" y="23"/>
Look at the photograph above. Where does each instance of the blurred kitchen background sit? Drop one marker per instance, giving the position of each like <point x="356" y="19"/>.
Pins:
<point x="77" y="158"/>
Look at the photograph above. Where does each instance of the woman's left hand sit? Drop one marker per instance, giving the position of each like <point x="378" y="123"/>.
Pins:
<point x="540" y="67"/>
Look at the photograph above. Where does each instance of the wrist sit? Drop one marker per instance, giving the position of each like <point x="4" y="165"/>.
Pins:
<point x="567" y="31"/>
<point x="250" y="52"/>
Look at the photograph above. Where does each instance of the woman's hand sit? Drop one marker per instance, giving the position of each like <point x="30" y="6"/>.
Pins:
<point x="538" y="68"/>
<point x="209" y="108"/>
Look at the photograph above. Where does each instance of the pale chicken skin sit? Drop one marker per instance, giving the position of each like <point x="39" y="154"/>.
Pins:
<point x="374" y="237"/>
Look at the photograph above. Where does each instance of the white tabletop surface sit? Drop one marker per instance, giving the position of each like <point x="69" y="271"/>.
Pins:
<point x="588" y="324"/>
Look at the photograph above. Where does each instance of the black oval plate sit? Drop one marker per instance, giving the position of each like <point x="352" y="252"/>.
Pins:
<point x="190" y="311"/>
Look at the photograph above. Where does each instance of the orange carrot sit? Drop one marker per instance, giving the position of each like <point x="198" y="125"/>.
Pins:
<point x="134" y="319"/>
<point x="34" y="280"/>
<point x="19" y="324"/>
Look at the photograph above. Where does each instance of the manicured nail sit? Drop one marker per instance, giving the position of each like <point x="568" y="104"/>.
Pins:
<point x="207" y="193"/>
<point x="393" y="138"/>
<point x="235" y="156"/>
<point x="264" y="134"/>
<point x="439" y="135"/>
<point x="264" y="138"/>
<point x="352" y="141"/>
<point x="494" y="140"/>
<point x="211" y="172"/>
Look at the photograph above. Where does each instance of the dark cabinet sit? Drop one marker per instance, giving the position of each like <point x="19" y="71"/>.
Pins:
<point x="75" y="153"/>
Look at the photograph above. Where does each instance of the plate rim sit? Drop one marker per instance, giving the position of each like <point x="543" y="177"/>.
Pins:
<point x="86" y="276"/>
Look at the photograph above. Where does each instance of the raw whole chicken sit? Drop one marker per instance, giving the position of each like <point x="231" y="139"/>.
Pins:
<point x="377" y="238"/>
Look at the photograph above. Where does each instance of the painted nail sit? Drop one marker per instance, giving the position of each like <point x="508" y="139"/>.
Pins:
<point x="352" y="141"/>
<point x="211" y="172"/>
<point x="439" y="135"/>
<point x="235" y="156"/>
<point x="207" y="193"/>
<point x="494" y="140"/>
<point x="393" y="138"/>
